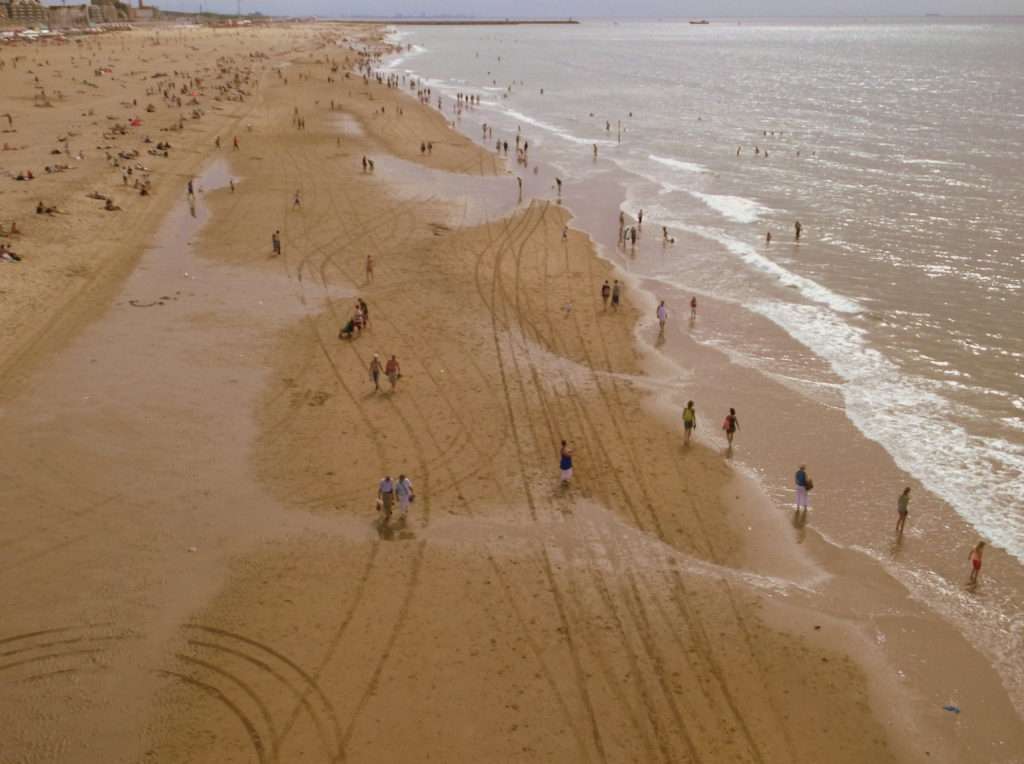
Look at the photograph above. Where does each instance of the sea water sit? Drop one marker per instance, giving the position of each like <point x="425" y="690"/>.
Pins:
<point x="897" y="144"/>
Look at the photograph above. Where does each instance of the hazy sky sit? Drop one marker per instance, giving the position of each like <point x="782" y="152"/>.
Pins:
<point x="585" y="8"/>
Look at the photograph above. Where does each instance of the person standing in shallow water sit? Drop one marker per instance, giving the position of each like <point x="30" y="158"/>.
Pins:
<point x="797" y="230"/>
<point x="730" y="424"/>
<point x="662" y="317"/>
<point x="616" y="294"/>
<point x="803" y="486"/>
<point x="975" y="558"/>
<point x="902" y="510"/>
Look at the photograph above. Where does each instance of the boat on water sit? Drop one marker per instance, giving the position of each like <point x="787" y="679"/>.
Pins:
<point x="700" y="22"/>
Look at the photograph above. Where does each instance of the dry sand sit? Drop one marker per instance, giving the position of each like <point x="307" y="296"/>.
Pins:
<point x="192" y="567"/>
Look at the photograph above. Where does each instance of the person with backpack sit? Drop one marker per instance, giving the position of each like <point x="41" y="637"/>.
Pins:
<point x="803" y="485"/>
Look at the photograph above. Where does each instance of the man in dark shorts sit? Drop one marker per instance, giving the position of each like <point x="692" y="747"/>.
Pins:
<point x="606" y="292"/>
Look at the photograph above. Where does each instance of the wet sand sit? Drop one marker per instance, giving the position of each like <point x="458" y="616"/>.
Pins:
<point x="193" y="570"/>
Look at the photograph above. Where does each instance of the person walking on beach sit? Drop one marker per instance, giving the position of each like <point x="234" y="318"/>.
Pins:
<point x="565" y="464"/>
<point x="975" y="558"/>
<point x="235" y="144"/>
<point x="275" y="242"/>
<point x="693" y="308"/>
<point x="375" y="370"/>
<point x="632" y="236"/>
<point x="393" y="371"/>
<point x="606" y="292"/>
<point x="797" y="230"/>
<point x="768" y="238"/>
<point x="404" y="492"/>
<point x="297" y="201"/>
<point x="616" y="295"/>
<point x="558" y="183"/>
<point x="689" y="422"/>
<point x="385" y="498"/>
<point x="639" y="220"/>
<point x="902" y="510"/>
<point x="803" y="486"/>
<point x="662" y="317"/>
<point x="519" y="181"/>
<point x="730" y="424"/>
<point x="622" y="226"/>
<point x="369" y="268"/>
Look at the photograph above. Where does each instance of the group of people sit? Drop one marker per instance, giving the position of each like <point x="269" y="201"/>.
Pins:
<point x="392" y="370"/>
<point x="389" y="491"/>
<point x="357" y="323"/>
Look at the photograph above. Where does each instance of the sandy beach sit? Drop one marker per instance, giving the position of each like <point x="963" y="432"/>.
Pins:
<point x="193" y="567"/>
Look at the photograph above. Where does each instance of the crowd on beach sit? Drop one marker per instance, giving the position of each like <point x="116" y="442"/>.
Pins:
<point x="611" y="294"/>
<point x="187" y="95"/>
<point x="181" y="95"/>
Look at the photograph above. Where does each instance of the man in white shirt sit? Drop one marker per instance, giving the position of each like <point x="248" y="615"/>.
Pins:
<point x="403" y="489"/>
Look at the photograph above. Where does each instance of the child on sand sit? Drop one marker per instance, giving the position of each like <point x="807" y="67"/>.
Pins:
<point x="565" y="463"/>
<point x="975" y="558"/>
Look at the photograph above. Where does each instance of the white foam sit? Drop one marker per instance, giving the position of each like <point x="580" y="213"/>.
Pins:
<point x="809" y="288"/>
<point x="736" y="208"/>
<point x="678" y="164"/>
<point x="980" y="477"/>
<point x="555" y="130"/>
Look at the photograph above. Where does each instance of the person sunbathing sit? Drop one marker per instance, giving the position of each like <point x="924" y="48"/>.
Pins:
<point x="8" y="255"/>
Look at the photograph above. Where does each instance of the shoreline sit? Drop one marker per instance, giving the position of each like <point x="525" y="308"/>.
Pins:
<point x="589" y="623"/>
<point x="866" y="632"/>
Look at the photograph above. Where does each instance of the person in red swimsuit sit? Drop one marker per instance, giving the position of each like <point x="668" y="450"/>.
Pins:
<point x="975" y="558"/>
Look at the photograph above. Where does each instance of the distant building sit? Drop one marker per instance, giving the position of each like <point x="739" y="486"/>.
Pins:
<point x="108" y="11"/>
<point x="143" y="12"/>
<point x="23" y="12"/>
<point x="68" y="15"/>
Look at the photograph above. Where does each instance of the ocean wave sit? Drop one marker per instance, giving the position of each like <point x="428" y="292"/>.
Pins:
<point x="809" y="288"/>
<point x="678" y="164"/>
<point x="735" y="208"/>
<point x="555" y="130"/>
<point x="980" y="477"/>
